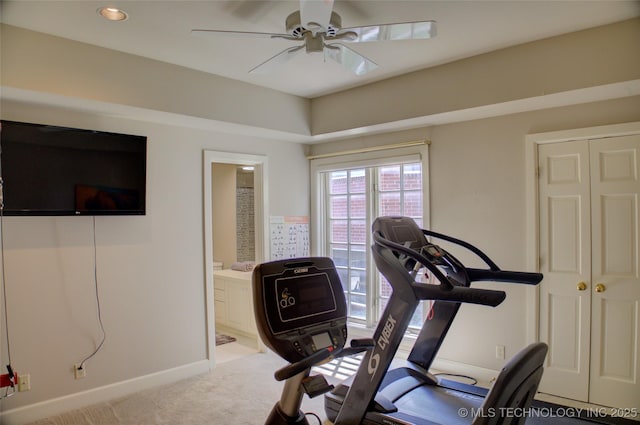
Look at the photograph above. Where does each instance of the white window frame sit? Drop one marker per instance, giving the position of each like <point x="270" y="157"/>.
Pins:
<point x="319" y="166"/>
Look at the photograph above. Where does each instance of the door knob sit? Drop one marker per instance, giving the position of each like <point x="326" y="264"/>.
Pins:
<point x="582" y="286"/>
<point x="600" y="288"/>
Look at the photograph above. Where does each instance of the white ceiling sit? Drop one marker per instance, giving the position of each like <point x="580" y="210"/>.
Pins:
<point x="162" y="30"/>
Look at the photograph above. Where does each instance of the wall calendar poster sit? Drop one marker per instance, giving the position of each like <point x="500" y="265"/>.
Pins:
<point x="289" y="237"/>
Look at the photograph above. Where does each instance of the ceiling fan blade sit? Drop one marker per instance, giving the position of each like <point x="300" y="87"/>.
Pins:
<point x="245" y="34"/>
<point x="317" y="12"/>
<point x="349" y="58"/>
<point x="276" y="61"/>
<point x="398" y="31"/>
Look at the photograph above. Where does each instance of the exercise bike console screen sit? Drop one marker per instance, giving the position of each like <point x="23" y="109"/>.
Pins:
<point x="299" y="306"/>
<point x="298" y="300"/>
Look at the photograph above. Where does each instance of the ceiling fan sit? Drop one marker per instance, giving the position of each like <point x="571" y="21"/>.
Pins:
<point x="320" y="30"/>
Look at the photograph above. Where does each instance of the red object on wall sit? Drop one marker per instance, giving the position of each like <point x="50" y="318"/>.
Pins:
<point x="5" y="380"/>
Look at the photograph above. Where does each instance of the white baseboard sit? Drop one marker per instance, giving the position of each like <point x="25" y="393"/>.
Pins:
<point x="56" y="406"/>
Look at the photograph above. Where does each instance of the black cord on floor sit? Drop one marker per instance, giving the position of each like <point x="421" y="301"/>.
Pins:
<point x="315" y="416"/>
<point x="473" y="380"/>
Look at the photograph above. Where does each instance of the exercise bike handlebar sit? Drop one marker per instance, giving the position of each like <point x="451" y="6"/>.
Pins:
<point x="320" y="356"/>
<point x="295" y="368"/>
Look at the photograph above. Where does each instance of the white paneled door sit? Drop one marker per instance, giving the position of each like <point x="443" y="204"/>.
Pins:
<point x="565" y="261"/>
<point x="590" y="296"/>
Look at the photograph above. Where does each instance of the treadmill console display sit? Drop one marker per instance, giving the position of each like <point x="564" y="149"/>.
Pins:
<point x="433" y="250"/>
<point x="299" y="306"/>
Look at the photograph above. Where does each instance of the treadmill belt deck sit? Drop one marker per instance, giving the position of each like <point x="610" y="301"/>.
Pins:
<point x="456" y="403"/>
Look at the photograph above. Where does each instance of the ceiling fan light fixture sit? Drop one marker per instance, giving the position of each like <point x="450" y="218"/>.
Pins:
<point x="113" y="14"/>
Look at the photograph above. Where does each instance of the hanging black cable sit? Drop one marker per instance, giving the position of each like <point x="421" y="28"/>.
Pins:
<point x="4" y="285"/>
<point x="95" y="280"/>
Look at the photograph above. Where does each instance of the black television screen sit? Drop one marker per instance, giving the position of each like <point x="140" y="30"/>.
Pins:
<point x="49" y="170"/>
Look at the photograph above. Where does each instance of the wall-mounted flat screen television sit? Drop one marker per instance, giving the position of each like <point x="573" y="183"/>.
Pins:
<point x="50" y="170"/>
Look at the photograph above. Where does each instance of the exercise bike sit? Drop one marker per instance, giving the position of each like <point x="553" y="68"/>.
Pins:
<point x="301" y="315"/>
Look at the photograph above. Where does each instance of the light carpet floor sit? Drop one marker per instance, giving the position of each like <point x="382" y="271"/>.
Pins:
<point x="239" y="392"/>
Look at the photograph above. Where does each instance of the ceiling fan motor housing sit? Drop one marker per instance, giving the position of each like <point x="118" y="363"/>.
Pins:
<point x="295" y="27"/>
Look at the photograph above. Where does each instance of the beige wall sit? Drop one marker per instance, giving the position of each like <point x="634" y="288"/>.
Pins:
<point x="223" y="208"/>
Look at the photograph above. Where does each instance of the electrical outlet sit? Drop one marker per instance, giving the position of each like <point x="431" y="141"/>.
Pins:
<point x="500" y="352"/>
<point x="24" y="382"/>
<point x="79" y="371"/>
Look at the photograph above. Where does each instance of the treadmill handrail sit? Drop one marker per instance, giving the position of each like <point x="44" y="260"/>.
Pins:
<point x="493" y="266"/>
<point x="495" y="273"/>
<point x="527" y="278"/>
<point x="463" y="294"/>
<point x="446" y="291"/>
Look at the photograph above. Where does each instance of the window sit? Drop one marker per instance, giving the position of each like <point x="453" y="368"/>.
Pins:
<point x="399" y="193"/>
<point x="350" y="198"/>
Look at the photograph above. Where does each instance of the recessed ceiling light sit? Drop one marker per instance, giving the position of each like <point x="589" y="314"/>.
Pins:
<point x="248" y="168"/>
<point x="112" y="13"/>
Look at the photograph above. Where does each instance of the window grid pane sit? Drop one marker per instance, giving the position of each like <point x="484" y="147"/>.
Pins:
<point x="357" y="183"/>
<point x="338" y="206"/>
<point x="338" y="182"/>
<point x="358" y="206"/>
<point x="389" y="178"/>
<point x="390" y="203"/>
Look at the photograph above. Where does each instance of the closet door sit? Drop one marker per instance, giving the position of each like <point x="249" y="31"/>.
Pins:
<point x="589" y="255"/>
<point x="615" y="333"/>
<point x="565" y="261"/>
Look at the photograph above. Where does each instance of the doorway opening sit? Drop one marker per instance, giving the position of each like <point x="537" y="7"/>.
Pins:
<point x="230" y="241"/>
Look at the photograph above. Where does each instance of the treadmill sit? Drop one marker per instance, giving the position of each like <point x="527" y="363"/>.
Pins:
<point x="410" y="394"/>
